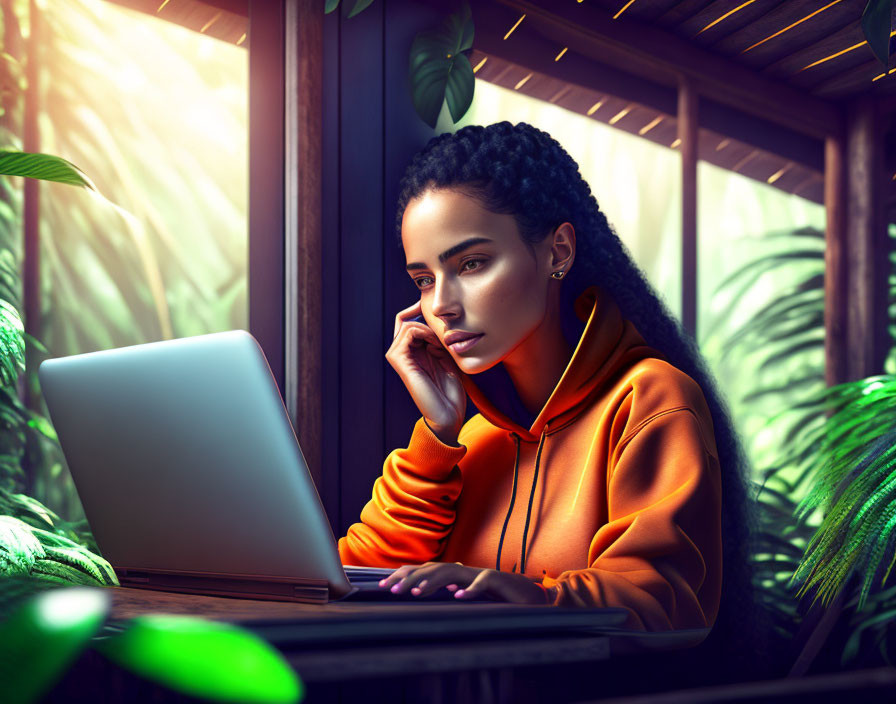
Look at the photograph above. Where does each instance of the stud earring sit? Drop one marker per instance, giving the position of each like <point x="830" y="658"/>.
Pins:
<point x="557" y="274"/>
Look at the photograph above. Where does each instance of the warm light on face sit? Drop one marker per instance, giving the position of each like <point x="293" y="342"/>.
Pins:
<point x="475" y="274"/>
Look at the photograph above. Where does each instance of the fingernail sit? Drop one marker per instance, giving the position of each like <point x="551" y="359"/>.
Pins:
<point x="394" y="587"/>
<point x="415" y="590"/>
<point x="459" y="592"/>
<point x="451" y="587"/>
<point x="382" y="582"/>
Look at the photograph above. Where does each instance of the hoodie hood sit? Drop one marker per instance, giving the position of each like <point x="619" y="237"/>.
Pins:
<point x="608" y="344"/>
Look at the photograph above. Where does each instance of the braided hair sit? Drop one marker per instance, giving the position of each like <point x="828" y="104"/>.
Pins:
<point x="524" y="172"/>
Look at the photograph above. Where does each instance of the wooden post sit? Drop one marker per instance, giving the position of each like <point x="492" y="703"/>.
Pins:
<point x="687" y="133"/>
<point x="303" y="139"/>
<point x="867" y="334"/>
<point x="835" y="260"/>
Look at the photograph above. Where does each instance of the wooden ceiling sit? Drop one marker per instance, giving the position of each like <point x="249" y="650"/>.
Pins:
<point x="814" y="45"/>
<point x="773" y="77"/>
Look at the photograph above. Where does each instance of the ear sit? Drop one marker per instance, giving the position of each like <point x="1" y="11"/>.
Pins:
<point x="563" y="248"/>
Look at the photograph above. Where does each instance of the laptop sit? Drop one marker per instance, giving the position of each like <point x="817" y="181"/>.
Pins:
<point x="191" y="476"/>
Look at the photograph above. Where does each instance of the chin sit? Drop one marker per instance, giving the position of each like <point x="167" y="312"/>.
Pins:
<point x="475" y="365"/>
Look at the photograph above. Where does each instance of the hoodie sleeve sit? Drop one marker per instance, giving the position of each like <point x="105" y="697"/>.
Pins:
<point x="412" y="509"/>
<point x="660" y="553"/>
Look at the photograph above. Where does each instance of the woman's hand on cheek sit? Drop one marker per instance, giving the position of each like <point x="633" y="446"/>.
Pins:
<point x="465" y="582"/>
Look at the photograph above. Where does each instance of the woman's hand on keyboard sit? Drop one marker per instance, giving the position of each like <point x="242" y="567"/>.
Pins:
<point x="465" y="582"/>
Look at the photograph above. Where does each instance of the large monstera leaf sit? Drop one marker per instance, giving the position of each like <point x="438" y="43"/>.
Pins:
<point x="440" y="70"/>
<point x="877" y="19"/>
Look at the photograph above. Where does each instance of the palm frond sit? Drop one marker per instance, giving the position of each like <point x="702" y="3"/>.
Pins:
<point x="27" y="550"/>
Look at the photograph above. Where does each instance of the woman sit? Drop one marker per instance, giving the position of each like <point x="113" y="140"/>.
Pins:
<point x="602" y="468"/>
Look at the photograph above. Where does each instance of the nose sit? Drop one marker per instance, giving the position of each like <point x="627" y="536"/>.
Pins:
<point x="445" y="303"/>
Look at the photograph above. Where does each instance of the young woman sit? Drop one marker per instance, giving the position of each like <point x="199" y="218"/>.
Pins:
<point x="602" y="468"/>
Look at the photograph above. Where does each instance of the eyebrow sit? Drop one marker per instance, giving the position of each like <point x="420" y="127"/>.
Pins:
<point x="448" y="253"/>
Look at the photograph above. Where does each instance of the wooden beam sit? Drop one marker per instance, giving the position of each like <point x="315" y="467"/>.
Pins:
<point x="687" y="133"/>
<point x="531" y="50"/>
<point x="657" y="54"/>
<point x="303" y="138"/>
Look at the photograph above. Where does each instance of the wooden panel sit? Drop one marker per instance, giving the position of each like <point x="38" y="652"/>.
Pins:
<point x="858" y="79"/>
<point x="680" y="12"/>
<point x="799" y="37"/>
<point x="696" y="28"/>
<point x="359" y="262"/>
<point x="266" y="184"/>
<point x="331" y="399"/>
<point x="643" y="10"/>
<point x="793" y="65"/>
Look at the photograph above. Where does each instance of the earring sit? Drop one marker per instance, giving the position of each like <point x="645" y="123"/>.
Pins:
<point x="557" y="274"/>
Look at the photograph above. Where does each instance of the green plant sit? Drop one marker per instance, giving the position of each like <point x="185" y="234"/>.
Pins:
<point x="836" y="459"/>
<point x="35" y="546"/>
<point x="43" y="634"/>
<point x="876" y="26"/>
<point x="440" y="68"/>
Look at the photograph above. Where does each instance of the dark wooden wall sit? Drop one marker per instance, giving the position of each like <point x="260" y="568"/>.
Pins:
<point x="370" y="133"/>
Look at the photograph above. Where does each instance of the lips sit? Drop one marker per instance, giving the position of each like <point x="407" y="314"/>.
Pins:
<point x="456" y="336"/>
<point x="462" y="344"/>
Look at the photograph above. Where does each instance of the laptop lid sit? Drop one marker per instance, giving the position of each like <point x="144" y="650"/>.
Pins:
<point x="186" y="462"/>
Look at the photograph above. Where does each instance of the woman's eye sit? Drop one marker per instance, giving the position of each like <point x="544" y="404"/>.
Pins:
<point x="420" y="281"/>
<point x="472" y="261"/>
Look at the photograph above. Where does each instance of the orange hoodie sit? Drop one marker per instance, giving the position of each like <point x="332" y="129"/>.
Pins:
<point x="612" y="497"/>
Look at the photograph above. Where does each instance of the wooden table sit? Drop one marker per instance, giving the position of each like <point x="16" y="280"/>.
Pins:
<point x="372" y="652"/>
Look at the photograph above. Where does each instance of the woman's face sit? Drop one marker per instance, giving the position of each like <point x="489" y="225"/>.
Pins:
<point x="475" y="275"/>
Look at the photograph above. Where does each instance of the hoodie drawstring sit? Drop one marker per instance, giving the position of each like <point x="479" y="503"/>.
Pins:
<point x="516" y="464"/>
<point x="531" y="496"/>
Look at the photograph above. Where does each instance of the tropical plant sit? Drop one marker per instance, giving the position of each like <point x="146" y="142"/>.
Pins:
<point x="877" y="21"/>
<point x="440" y="68"/>
<point x="165" y="253"/>
<point x="35" y="546"/>
<point x="836" y="460"/>
<point x="42" y="634"/>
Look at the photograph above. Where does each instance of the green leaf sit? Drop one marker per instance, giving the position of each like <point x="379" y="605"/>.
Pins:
<point x="19" y="547"/>
<point x="202" y="658"/>
<point x="439" y="69"/>
<point x="330" y="6"/>
<point x="46" y="167"/>
<point x="876" y="25"/>
<point x="44" y="636"/>
<point x="43" y="426"/>
<point x="359" y="5"/>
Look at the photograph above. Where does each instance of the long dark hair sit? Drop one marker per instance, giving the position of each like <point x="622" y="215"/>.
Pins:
<point x="522" y="171"/>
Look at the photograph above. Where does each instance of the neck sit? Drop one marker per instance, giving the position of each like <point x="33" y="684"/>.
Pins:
<point x="537" y="364"/>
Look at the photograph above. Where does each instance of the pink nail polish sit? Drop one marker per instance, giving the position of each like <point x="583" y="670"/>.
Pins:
<point x="458" y="593"/>
<point x="382" y="582"/>
<point x="395" y="588"/>
<point x="415" y="590"/>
